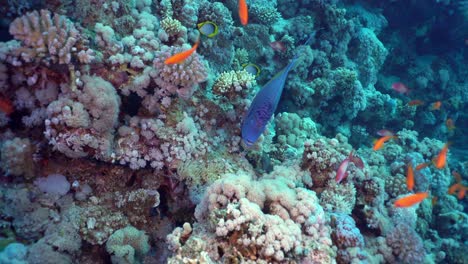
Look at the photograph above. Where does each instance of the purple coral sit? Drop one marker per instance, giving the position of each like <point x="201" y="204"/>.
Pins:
<point x="406" y="244"/>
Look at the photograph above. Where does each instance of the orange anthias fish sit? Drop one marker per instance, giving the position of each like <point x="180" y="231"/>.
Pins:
<point x="415" y="103"/>
<point x="422" y="166"/>
<point x="278" y="46"/>
<point x="457" y="176"/>
<point x="243" y="12"/>
<point x="410" y="200"/>
<point x="181" y="56"/>
<point x="6" y="106"/>
<point x="436" y="105"/>
<point x="450" y="124"/>
<point x="380" y="142"/>
<point x="452" y="189"/>
<point x="400" y="87"/>
<point x="458" y="186"/>
<point x="441" y="159"/>
<point x="385" y="132"/>
<point x="410" y="177"/>
<point x="461" y="193"/>
<point x="341" y="173"/>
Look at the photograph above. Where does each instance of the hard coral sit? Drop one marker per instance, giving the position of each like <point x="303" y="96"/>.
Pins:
<point x="127" y="245"/>
<point x="17" y="157"/>
<point x="265" y="220"/>
<point x="349" y="240"/>
<point x="406" y="244"/>
<point x="181" y="79"/>
<point x="82" y="122"/>
<point x="231" y="84"/>
<point x="46" y="36"/>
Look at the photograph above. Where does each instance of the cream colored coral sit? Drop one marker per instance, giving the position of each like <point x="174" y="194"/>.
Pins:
<point x="232" y="82"/>
<point x="45" y="35"/>
<point x="171" y="26"/>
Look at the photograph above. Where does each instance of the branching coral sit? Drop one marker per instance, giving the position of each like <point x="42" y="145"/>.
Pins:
<point x="339" y="198"/>
<point x="81" y="122"/>
<point x="181" y="79"/>
<point x="270" y="219"/>
<point x="46" y="36"/>
<point x="231" y="84"/>
<point x="150" y="141"/>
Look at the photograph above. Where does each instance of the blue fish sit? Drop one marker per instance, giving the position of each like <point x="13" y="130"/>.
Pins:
<point x="264" y="104"/>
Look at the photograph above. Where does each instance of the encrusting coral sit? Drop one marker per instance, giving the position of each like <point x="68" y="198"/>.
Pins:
<point x="127" y="245"/>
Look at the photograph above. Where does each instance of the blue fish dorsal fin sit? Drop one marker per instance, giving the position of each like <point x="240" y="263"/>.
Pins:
<point x="296" y="56"/>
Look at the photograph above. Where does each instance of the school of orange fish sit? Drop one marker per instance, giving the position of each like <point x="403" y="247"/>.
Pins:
<point x="439" y="161"/>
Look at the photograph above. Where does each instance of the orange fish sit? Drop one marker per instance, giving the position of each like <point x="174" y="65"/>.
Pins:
<point x="457" y="176"/>
<point x="422" y="166"/>
<point x="6" y="106"/>
<point x="436" y="105"/>
<point x="181" y="56"/>
<point x="380" y="142"/>
<point x="450" y="124"/>
<point x="434" y="200"/>
<point x="441" y="159"/>
<point x="410" y="200"/>
<point x="458" y="186"/>
<point x="243" y="12"/>
<point x="461" y="193"/>
<point x="415" y="103"/>
<point x="454" y="188"/>
<point x="410" y="177"/>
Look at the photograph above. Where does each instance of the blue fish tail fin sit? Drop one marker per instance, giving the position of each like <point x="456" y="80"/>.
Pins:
<point x="296" y="56"/>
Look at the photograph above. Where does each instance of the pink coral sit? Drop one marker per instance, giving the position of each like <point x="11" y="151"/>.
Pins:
<point x="81" y="123"/>
<point x="182" y="78"/>
<point x="269" y="219"/>
<point x="349" y="240"/>
<point x="406" y="244"/>
<point x="46" y="36"/>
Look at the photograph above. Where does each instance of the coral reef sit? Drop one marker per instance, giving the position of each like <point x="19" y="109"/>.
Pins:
<point x="110" y="154"/>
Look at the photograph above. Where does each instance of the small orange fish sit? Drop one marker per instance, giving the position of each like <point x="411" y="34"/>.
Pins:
<point x="243" y="12"/>
<point x="410" y="177"/>
<point x="454" y="188"/>
<point x="461" y="193"/>
<point x="434" y="200"/>
<point x="441" y="159"/>
<point x="415" y="103"/>
<point x="6" y="106"/>
<point x="457" y="176"/>
<point x="450" y="124"/>
<point x="436" y="105"/>
<point x="380" y="142"/>
<point x="422" y="166"/>
<point x="458" y="186"/>
<point x="181" y="56"/>
<point x="411" y="200"/>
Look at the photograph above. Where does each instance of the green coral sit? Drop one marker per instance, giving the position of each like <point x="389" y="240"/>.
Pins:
<point x="127" y="245"/>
